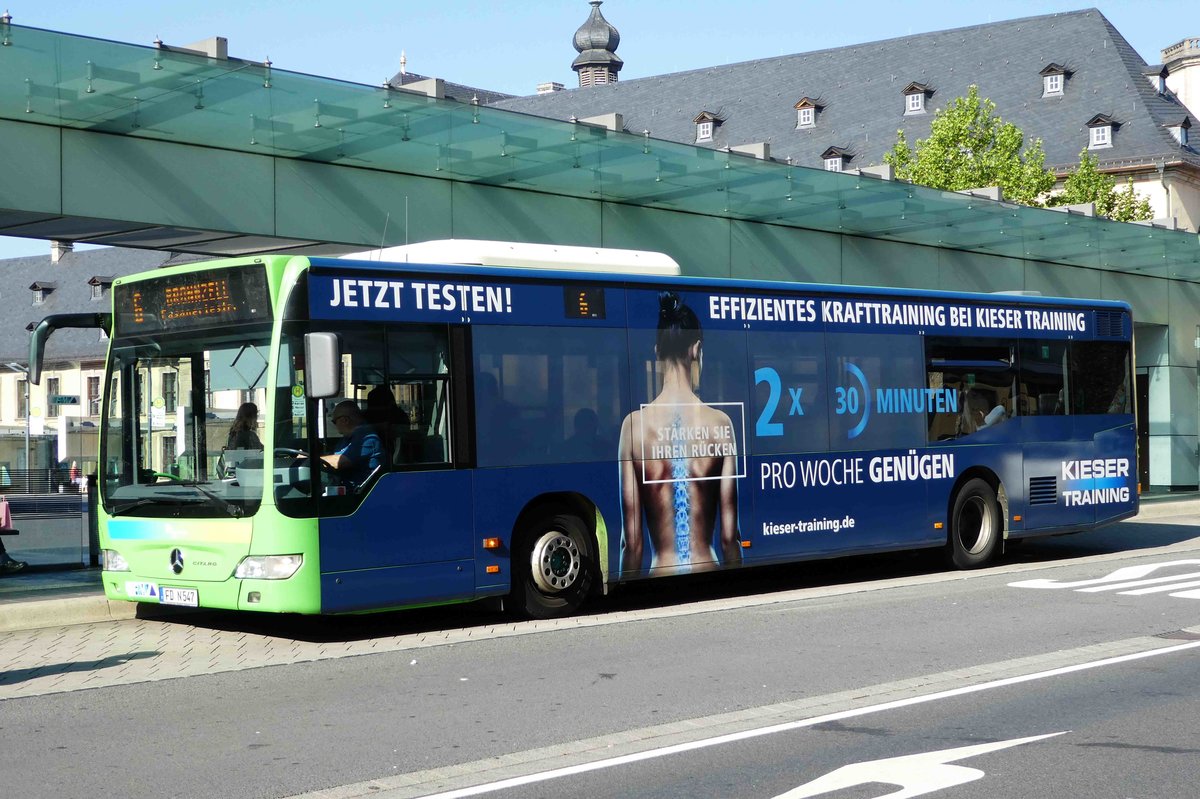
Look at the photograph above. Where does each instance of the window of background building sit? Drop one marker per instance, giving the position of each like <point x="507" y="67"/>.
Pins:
<point x="914" y="103"/>
<point x="170" y="391"/>
<point x="93" y="396"/>
<point x="704" y="131"/>
<point x="52" y="388"/>
<point x="1100" y="136"/>
<point x="1052" y="84"/>
<point x="805" y="118"/>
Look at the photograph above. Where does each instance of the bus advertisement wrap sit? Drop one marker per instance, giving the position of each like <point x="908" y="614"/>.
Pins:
<point x="539" y="434"/>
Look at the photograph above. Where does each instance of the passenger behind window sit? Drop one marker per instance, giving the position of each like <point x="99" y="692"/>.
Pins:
<point x="585" y="443"/>
<point x="979" y="413"/>
<point x="498" y="423"/>
<point x="995" y="416"/>
<point x="243" y="432"/>
<point x="388" y="419"/>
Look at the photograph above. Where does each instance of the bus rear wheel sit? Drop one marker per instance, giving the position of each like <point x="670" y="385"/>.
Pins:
<point x="553" y="568"/>
<point x="975" y="525"/>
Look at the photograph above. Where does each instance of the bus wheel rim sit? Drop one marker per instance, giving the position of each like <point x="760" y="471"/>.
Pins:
<point x="555" y="562"/>
<point x="977" y="525"/>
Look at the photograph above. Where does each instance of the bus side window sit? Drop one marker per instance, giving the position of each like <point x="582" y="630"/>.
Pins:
<point x="972" y="385"/>
<point x="417" y="423"/>
<point x="1043" y="374"/>
<point x="1100" y="379"/>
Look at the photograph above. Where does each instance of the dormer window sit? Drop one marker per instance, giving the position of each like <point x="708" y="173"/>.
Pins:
<point x="1159" y="80"/>
<point x="99" y="285"/>
<point x="915" y="95"/>
<point x="1179" y="130"/>
<point x="835" y="159"/>
<point x="1100" y="132"/>
<point x="41" y="289"/>
<point x="706" y="125"/>
<point x="1054" y="79"/>
<point x="806" y="113"/>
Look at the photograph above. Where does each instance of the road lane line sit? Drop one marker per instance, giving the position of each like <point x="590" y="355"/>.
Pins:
<point x="410" y="786"/>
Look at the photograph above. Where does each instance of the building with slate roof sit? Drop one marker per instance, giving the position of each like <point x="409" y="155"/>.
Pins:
<point x="440" y="88"/>
<point x="1070" y="79"/>
<point x="33" y="288"/>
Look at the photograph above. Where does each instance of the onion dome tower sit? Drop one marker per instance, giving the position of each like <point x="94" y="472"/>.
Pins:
<point x="596" y="41"/>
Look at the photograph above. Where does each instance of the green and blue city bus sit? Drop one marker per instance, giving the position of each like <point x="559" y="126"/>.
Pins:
<point x="542" y="435"/>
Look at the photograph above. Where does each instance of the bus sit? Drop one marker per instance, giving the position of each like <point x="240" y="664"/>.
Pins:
<point x="428" y="433"/>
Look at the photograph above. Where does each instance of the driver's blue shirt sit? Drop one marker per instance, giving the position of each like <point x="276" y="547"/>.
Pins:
<point x="364" y="449"/>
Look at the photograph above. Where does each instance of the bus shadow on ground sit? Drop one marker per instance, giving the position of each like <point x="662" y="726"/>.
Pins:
<point x="1129" y="536"/>
<point x="15" y="676"/>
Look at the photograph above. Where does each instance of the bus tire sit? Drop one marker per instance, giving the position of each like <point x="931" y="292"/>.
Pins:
<point x="975" y="525"/>
<point x="552" y="570"/>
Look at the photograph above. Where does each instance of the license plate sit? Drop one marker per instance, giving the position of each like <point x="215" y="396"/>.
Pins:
<point x="188" y="597"/>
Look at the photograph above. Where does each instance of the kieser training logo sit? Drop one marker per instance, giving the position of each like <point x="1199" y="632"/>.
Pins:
<point x="1099" y="481"/>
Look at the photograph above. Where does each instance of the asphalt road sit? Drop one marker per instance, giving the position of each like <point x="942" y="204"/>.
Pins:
<point x="848" y="677"/>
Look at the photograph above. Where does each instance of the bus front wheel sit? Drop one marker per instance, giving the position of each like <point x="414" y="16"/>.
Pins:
<point x="975" y="525"/>
<point x="552" y="568"/>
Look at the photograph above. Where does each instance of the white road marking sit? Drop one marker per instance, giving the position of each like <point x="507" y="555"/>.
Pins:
<point x="637" y="757"/>
<point x="1162" y="589"/>
<point x="916" y="775"/>
<point x="1130" y="577"/>
<point x="1135" y="583"/>
<point x="1119" y="576"/>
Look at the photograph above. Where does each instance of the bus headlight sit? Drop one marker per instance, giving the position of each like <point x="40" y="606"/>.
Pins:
<point x="114" y="561"/>
<point x="268" y="567"/>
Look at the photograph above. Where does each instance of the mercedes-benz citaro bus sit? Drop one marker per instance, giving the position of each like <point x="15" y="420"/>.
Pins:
<point x="312" y="435"/>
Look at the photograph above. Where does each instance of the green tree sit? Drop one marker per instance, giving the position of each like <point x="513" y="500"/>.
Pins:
<point x="1129" y="206"/>
<point x="1087" y="184"/>
<point x="969" y="147"/>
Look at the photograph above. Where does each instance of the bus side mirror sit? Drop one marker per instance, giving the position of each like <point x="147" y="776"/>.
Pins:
<point x="37" y="342"/>
<point x="322" y="365"/>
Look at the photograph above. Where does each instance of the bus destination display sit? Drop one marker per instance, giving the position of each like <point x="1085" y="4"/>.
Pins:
<point x="196" y="299"/>
<point x="584" y="302"/>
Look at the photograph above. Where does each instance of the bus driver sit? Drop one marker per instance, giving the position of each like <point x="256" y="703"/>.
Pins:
<point x="678" y="461"/>
<point x="360" y="451"/>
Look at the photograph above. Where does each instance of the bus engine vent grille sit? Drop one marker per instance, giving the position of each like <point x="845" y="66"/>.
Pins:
<point x="1110" y="324"/>
<point x="1043" y="490"/>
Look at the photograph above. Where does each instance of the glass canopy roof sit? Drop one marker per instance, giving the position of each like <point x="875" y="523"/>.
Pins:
<point x="162" y="93"/>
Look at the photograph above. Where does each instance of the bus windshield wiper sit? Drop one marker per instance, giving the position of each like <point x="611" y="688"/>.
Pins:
<point x="230" y="508"/>
<point x="155" y="500"/>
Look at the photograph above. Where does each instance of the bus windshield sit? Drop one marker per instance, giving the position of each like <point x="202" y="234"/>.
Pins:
<point x="183" y="426"/>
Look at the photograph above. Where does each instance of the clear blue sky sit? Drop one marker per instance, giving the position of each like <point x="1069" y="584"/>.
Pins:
<point x="512" y="46"/>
